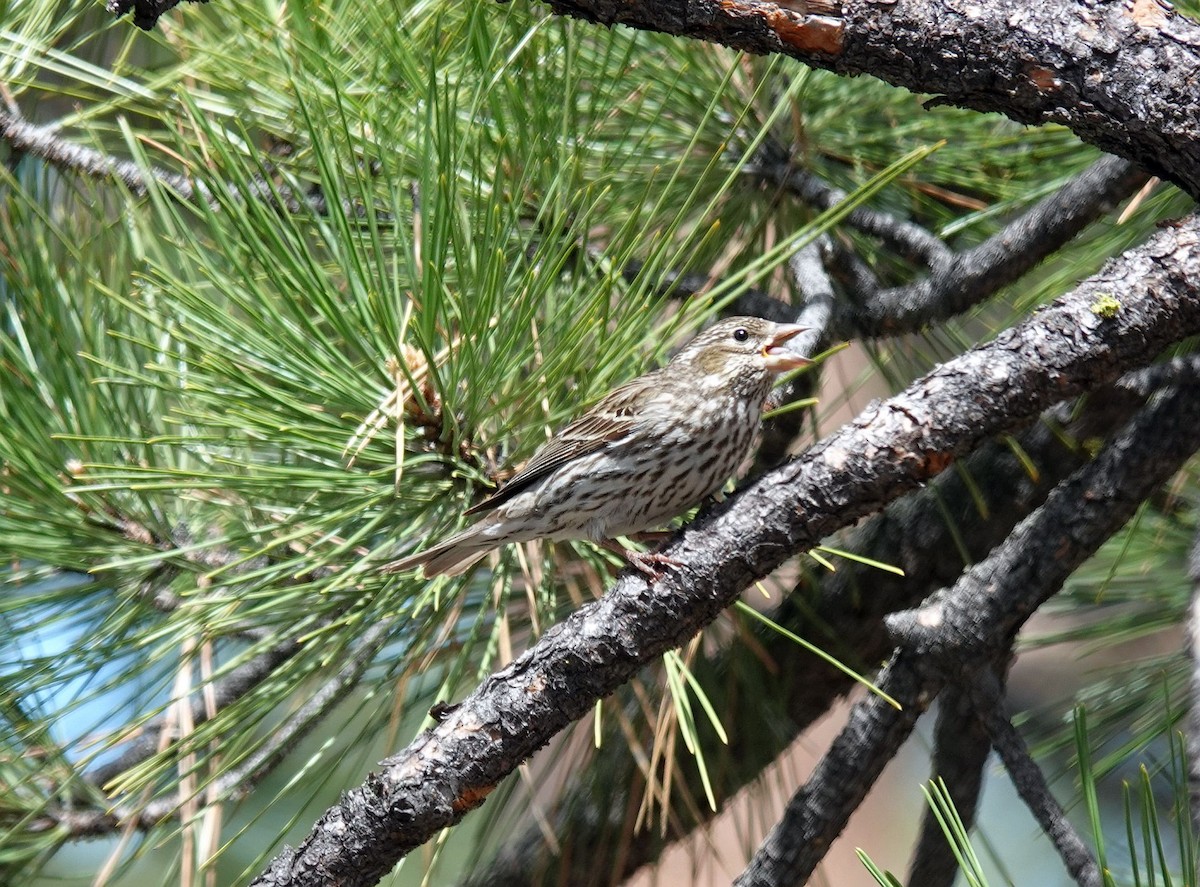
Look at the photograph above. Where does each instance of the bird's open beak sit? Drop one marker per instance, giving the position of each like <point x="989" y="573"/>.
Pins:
<point x="776" y="355"/>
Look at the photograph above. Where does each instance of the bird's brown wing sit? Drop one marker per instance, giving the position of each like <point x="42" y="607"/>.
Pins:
<point x="609" y="420"/>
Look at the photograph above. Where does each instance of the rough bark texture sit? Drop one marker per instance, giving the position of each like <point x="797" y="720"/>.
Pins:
<point x="959" y="637"/>
<point x="1118" y="319"/>
<point x="770" y="689"/>
<point x="960" y="752"/>
<point x="1118" y="74"/>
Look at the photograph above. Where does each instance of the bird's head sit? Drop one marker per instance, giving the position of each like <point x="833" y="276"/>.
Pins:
<point x="746" y="347"/>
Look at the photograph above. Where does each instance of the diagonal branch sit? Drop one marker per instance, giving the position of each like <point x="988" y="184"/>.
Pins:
<point x="1116" y="74"/>
<point x="1031" y="785"/>
<point x="893" y="447"/>
<point x="966" y="630"/>
<point x="907" y="239"/>
<point x="960" y="752"/>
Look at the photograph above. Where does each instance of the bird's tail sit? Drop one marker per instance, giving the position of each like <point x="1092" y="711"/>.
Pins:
<point x="450" y="558"/>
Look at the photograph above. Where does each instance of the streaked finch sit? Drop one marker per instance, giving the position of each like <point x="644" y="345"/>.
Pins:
<point x="646" y="452"/>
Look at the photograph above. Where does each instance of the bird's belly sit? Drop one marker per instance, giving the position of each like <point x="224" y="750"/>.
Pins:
<point x="633" y="486"/>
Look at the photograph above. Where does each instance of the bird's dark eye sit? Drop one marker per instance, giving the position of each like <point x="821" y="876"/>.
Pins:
<point x="741" y="334"/>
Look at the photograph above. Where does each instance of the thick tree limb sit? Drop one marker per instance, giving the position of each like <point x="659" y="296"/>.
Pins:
<point x="1116" y="74"/>
<point x="771" y="689"/>
<point x="1077" y="344"/>
<point x="964" y="631"/>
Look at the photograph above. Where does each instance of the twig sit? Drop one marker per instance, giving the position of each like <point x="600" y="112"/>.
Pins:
<point x="819" y="811"/>
<point x="241" y="780"/>
<point x="960" y="753"/>
<point x="45" y="143"/>
<point x="228" y="690"/>
<point x="816" y="292"/>
<point x="1030" y="783"/>
<point x="958" y="281"/>
<point x="908" y="239"/>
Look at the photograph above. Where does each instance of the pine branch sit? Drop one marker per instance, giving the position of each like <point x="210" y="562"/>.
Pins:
<point x="968" y="629"/>
<point x="1075" y="345"/>
<point x="1093" y="69"/>
<point x="812" y="283"/>
<point x="992" y="600"/>
<point x="955" y="281"/>
<point x="970" y="277"/>
<point x="45" y="143"/>
<point x="1031" y="784"/>
<point x="961" y="747"/>
<point x="781" y="689"/>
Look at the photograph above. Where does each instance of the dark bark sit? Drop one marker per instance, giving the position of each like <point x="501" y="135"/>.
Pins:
<point x="1117" y="74"/>
<point x="964" y="632"/>
<point x="769" y="689"/>
<point x="960" y="752"/>
<point x="146" y="13"/>
<point x="819" y="811"/>
<point x="1031" y="785"/>
<point x="994" y="598"/>
<point x="1079" y="343"/>
<point x="963" y="280"/>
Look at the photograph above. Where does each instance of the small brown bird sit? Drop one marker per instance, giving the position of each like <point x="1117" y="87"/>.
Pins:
<point x="646" y="452"/>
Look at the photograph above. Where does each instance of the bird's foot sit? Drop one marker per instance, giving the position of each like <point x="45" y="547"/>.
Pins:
<point x="646" y="562"/>
<point x="649" y="562"/>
